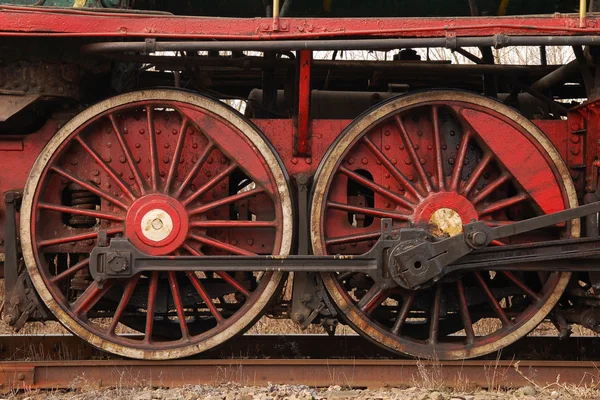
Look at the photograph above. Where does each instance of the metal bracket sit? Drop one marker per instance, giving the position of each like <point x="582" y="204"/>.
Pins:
<point x="22" y="302"/>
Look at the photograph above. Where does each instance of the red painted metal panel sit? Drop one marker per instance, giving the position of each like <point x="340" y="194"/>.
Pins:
<point x="19" y="21"/>
<point x="304" y="103"/>
<point x="521" y="158"/>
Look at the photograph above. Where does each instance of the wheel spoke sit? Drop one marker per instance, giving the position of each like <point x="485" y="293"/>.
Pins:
<point x="177" y="154"/>
<point x="493" y="223"/>
<point x="89" y="298"/>
<point x="492" y="300"/>
<point x="154" y="169"/>
<point x="403" y="312"/>
<point x="438" y="147"/>
<point x="195" y="169"/>
<point x="233" y="224"/>
<point x="220" y="245"/>
<point x="413" y="154"/>
<point x="178" y="304"/>
<point x="460" y="160"/>
<point x="503" y="204"/>
<point x="210" y="184"/>
<point x="191" y="250"/>
<point x="372" y="299"/>
<point x="76" y="238"/>
<point x="81" y="211"/>
<point x="375" y="212"/>
<point x="489" y="189"/>
<point x="207" y="300"/>
<point x="434" y="315"/>
<point x="70" y="271"/>
<point x="376" y="188"/>
<point x="476" y="174"/>
<point x="463" y="306"/>
<point x="361" y="237"/>
<point x="403" y="180"/>
<point x="151" y="308"/>
<point x="123" y="303"/>
<point x="521" y="285"/>
<point x="229" y="279"/>
<point x="127" y="152"/>
<point x="92" y="188"/>
<point x="107" y="168"/>
<point x="226" y="200"/>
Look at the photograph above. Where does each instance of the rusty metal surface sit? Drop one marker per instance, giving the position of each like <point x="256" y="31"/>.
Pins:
<point x="323" y="372"/>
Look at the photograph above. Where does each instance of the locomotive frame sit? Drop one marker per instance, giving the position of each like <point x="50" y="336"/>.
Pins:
<point x="362" y="227"/>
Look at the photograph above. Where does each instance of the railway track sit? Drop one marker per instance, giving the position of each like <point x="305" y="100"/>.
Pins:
<point x="58" y="361"/>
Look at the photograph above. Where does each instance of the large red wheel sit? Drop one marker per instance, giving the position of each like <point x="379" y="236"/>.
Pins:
<point x="177" y="174"/>
<point x="438" y="160"/>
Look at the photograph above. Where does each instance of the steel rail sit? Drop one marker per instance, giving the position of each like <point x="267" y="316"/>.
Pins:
<point x="317" y="373"/>
<point x="69" y="347"/>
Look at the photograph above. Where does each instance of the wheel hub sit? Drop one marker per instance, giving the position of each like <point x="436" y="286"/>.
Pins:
<point x="447" y="221"/>
<point x="157" y="224"/>
<point x="447" y="212"/>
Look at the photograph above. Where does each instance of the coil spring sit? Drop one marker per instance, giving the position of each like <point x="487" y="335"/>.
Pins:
<point x="84" y="200"/>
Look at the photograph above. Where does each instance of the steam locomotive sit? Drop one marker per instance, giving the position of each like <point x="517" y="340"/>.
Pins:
<point x="173" y="171"/>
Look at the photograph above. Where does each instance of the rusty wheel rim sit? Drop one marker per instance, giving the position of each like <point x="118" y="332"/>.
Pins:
<point x="176" y="173"/>
<point x="408" y="160"/>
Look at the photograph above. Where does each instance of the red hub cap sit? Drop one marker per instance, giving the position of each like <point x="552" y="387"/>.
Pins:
<point x="446" y="211"/>
<point x="157" y="224"/>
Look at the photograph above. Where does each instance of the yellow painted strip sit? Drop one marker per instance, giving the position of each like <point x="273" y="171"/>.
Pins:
<point x="79" y="3"/>
<point x="327" y="5"/>
<point x="503" y="7"/>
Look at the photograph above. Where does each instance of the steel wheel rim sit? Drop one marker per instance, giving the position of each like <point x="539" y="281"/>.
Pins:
<point x="248" y="311"/>
<point x="329" y="166"/>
